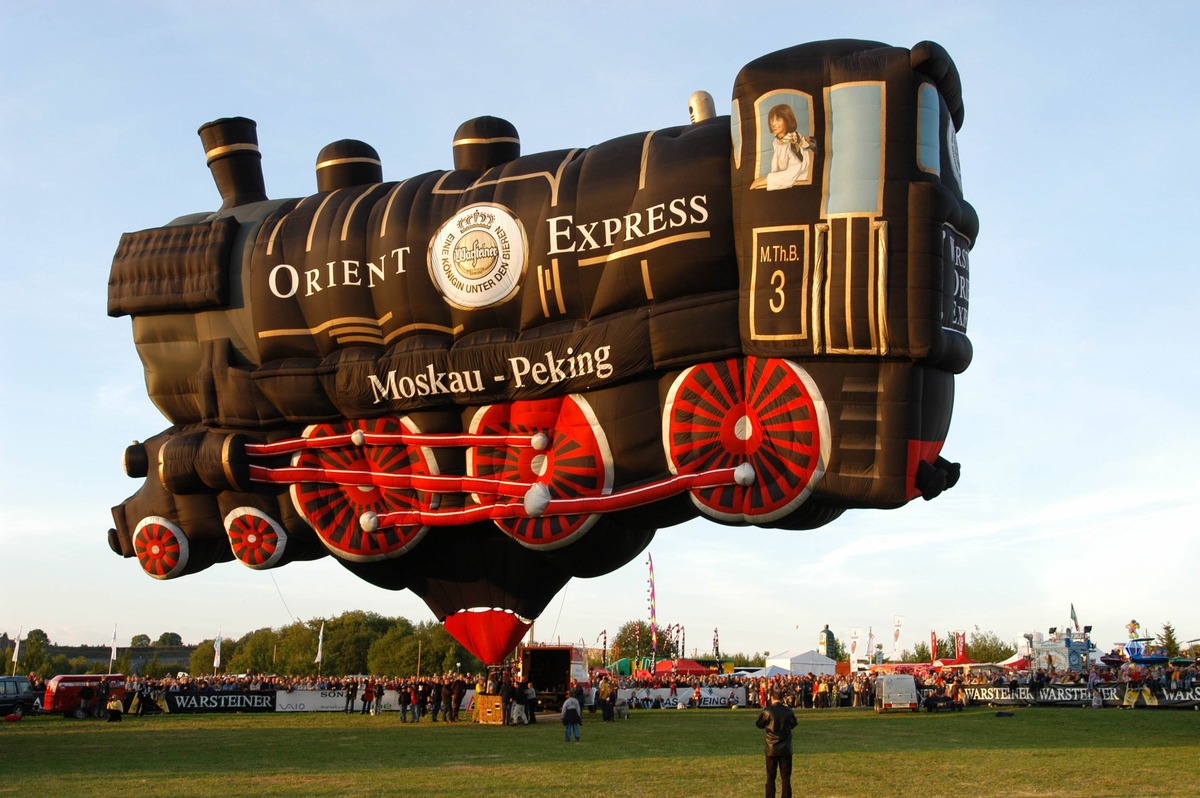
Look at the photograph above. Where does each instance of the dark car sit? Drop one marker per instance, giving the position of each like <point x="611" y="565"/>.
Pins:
<point x="16" y="695"/>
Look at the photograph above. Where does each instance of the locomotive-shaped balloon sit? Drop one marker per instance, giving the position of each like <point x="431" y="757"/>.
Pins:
<point x="478" y="383"/>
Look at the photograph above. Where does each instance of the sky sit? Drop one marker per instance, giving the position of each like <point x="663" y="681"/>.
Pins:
<point x="1075" y="423"/>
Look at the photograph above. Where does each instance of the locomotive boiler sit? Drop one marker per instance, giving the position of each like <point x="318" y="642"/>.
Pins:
<point x="478" y="383"/>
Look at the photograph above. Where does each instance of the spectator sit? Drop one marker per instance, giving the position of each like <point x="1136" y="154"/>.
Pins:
<point x="777" y="721"/>
<point x="572" y="718"/>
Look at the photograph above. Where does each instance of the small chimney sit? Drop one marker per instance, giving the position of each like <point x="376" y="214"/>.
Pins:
<point x="347" y="163"/>
<point x="701" y="106"/>
<point x="484" y="142"/>
<point x="231" y="147"/>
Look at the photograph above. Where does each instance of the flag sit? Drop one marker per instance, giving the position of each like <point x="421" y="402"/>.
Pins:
<point x="897" y="623"/>
<point x="932" y="646"/>
<point x="17" y="646"/>
<point x="960" y="645"/>
<point x="320" y="642"/>
<point x="217" y="652"/>
<point x="653" y="613"/>
<point x="870" y="643"/>
<point x="112" y="657"/>
<point x="1074" y="620"/>
<point x="855" y="633"/>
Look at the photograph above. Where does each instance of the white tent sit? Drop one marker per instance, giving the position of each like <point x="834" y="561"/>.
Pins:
<point x="801" y="663"/>
<point x="768" y="672"/>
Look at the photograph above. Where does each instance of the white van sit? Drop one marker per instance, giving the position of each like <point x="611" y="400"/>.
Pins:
<point x="896" y="691"/>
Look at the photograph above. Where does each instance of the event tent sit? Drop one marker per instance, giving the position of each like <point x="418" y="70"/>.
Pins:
<point x="956" y="662"/>
<point x="768" y="672"/>
<point x="801" y="663"/>
<point x="683" y="667"/>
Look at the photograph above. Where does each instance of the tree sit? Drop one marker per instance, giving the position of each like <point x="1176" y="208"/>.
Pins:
<point x="167" y="639"/>
<point x="139" y="641"/>
<point x="254" y="652"/>
<point x="123" y="663"/>
<point x="201" y="660"/>
<point x="155" y="669"/>
<point x="755" y="660"/>
<point x="385" y="656"/>
<point x="1166" y="638"/>
<point x="54" y="665"/>
<point x="988" y="647"/>
<point x="297" y="650"/>
<point x="35" y="652"/>
<point x="633" y="640"/>
<point x="426" y="649"/>
<point x="348" y="639"/>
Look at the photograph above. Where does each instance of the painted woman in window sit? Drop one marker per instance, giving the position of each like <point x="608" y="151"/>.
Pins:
<point x="792" y="156"/>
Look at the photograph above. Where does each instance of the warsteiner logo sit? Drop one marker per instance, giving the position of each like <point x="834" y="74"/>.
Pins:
<point x="477" y="257"/>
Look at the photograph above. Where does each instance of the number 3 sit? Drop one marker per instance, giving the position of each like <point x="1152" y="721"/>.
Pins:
<point x="777" y="280"/>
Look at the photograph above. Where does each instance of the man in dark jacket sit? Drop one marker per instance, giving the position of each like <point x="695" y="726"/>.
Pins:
<point x="778" y="721"/>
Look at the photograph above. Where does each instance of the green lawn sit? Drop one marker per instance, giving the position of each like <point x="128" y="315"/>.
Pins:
<point x="712" y="753"/>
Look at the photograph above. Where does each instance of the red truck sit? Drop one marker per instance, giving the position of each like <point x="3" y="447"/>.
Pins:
<point x="66" y="693"/>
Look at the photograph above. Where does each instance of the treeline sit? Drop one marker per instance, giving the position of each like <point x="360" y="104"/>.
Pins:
<point x="354" y="642"/>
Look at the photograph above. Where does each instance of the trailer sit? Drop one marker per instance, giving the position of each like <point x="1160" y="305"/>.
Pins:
<point x="554" y="671"/>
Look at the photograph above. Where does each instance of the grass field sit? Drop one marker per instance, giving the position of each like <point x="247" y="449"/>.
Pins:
<point x="1043" y="752"/>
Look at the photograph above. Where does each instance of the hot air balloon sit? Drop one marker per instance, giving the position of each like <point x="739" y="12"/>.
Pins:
<point x="478" y="383"/>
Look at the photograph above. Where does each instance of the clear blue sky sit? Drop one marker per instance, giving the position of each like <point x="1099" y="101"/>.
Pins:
<point x="1075" y="425"/>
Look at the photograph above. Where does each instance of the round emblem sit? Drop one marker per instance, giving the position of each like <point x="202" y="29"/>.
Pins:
<point x="477" y="258"/>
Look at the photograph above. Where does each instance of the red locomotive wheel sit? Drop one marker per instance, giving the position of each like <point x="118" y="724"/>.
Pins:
<point x="762" y="411"/>
<point x="161" y="547"/>
<point x="257" y="540"/>
<point x="334" y="509"/>
<point x="575" y="463"/>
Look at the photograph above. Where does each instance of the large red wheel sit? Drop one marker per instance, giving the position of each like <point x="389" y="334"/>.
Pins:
<point x="161" y="547"/>
<point x="335" y="510"/>
<point x="576" y="462"/>
<point x="761" y="411"/>
<point x="257" y="540"/>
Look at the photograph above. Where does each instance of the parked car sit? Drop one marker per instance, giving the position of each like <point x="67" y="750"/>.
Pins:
<point x="16" y="696"/>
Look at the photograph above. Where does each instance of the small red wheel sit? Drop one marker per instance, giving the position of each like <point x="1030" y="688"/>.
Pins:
<point x="575" y="462"/>
<point x="161" y="547"/>
<point x="335" y="510"/>
<point x="258" y="541"/>
<point x="762" y="411"/>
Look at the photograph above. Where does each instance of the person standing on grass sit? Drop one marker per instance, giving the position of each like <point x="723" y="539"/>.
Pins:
<point x="572" y="718"/>
<point x="778" y="720"/>
<point x="368" y="695"/>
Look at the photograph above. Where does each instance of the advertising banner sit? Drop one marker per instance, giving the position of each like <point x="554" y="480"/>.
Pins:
<point x="1113" y="694"/>
<point x="661" y="698"/>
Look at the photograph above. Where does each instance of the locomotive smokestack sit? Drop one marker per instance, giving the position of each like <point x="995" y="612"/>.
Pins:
<point x="231" y="146"/>
<point x="347" y="163"/>
<point x="701" y="106"/>
<point x="484" y="142"/>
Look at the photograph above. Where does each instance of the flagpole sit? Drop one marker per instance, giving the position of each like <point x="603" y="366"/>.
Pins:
<point x="320" y="649"/>
<point x="16" y="651"/>
<point x="217" y="651"/>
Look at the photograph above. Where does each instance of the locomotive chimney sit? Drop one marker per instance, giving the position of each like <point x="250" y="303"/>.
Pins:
<point x="701" y="106"/>
<point x="347" y="163"/>
<point x="231" y="146"/>
<point x="484" y="142"/>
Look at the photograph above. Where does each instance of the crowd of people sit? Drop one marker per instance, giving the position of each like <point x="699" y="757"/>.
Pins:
<point x="440" y="697"/>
